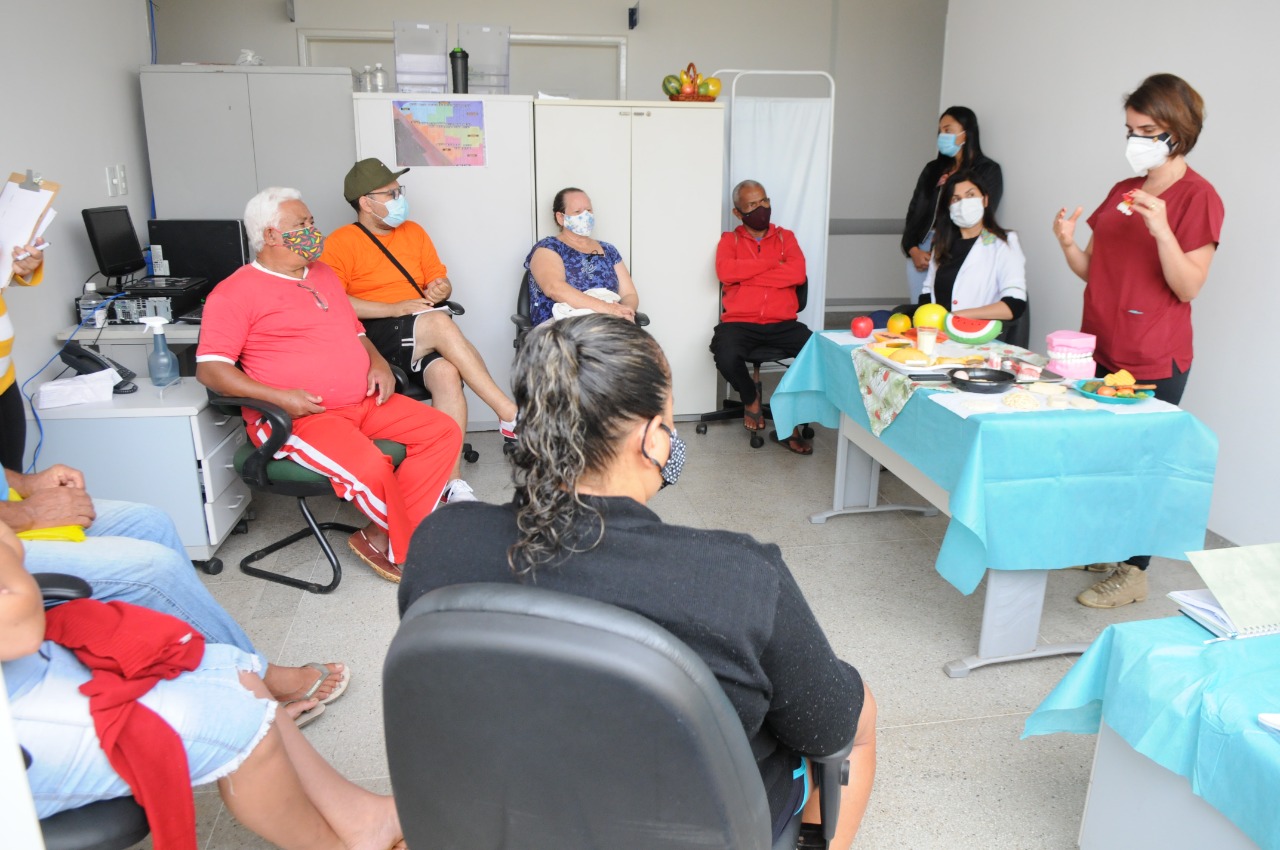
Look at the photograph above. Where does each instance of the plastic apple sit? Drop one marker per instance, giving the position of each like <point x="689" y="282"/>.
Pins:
<point x="862" y="326"/>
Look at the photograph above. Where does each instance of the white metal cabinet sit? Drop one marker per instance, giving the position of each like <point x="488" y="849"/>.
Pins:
<point x="217" y="134"/>
<point x="654" y="171"/>
<point x="173" y="452"/>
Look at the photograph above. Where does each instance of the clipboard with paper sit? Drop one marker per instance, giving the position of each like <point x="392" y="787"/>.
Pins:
<point x="25" y="211"/>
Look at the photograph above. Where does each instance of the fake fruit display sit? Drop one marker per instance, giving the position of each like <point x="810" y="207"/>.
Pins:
<point x="898" y="323"/>
<point x="688" y="84"/>
<point x="972" y="331"/>
<point x="930" y="316"/>
<point x="861" y="327"/>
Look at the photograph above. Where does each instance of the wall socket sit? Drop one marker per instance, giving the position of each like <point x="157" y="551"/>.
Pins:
<point x="117" y="182"/>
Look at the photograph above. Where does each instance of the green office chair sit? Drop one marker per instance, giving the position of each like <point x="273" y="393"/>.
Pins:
<point x="258" y="468"/>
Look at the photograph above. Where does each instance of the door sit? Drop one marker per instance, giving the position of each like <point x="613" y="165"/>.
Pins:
<point x="677" y="165"/>
<point x="199" y="143"/>
<point x="587" y="146"/>
<point x="304" y="138"/>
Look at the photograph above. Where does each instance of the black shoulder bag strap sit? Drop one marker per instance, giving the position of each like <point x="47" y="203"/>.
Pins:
<point x="392" y="257"/>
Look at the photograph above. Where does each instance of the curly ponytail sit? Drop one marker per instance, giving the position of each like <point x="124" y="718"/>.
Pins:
<point x="578" y="383"/>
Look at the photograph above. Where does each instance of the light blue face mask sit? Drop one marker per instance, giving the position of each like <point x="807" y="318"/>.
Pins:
<point x="397" y="211"/>
<point x="947" y="144"/>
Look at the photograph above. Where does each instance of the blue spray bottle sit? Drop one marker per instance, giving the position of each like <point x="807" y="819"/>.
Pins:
<point x="161" y="363"/>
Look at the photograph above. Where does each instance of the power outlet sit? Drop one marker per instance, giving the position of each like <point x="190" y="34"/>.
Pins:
<point x="122" y="182"/>
<point x="113" y="180"/>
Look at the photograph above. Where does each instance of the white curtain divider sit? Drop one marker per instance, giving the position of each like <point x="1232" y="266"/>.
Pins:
<point x="785" y="143"/>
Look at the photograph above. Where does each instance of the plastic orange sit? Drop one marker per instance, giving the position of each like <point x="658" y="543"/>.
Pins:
<point x="930" y="316"/>
<point x="898" y="323"/>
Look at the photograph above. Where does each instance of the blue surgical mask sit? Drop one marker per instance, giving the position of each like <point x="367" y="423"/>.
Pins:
<point x="582" y="223"/>
<point x="675" y="461"/>
<point x="397" y="211"/>
<point x="947" y="144"/>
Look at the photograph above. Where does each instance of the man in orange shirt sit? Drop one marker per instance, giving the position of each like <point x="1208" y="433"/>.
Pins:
<point x="392" y="273"/>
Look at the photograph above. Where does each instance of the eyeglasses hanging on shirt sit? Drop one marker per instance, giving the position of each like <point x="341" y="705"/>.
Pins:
<point x="320" y="302"/>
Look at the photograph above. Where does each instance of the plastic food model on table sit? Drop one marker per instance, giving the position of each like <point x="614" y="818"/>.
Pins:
<point x="1071" y="354"/>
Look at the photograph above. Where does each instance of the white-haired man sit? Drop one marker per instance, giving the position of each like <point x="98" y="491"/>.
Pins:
<point x="285" y="319"/>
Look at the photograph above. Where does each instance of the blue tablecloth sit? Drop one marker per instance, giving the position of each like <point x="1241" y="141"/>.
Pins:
<point x="1029" y="491"/>
<point x="1189" y="706"/>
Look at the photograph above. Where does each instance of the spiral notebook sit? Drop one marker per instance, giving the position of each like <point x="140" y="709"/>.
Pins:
<point x="1243" y="595"/>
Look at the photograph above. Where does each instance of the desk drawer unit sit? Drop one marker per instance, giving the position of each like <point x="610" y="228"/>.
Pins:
<point x="169" y="449"/>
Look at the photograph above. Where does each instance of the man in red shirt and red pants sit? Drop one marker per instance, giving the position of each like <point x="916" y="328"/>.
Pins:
<point x="285" y="319"/>
<point x="760" y="266"/>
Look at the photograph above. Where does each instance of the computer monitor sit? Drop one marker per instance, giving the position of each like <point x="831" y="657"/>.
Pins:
<point x="208" y="248"/>
<point x="114" y="241"/>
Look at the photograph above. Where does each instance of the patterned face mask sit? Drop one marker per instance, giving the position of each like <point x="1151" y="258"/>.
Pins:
<point x="306" y="242"/>
<point x="582" y="223"/>
<point x="675" y="461"/>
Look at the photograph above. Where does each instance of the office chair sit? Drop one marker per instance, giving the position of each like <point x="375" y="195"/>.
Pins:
<point x="732" y="407"/>
<point x="521" y="318"/>
<point x="418" y="391"/>
<point x="258" y="468"/>
<point x="518" y="717"/>
<point x="106" y="824"/>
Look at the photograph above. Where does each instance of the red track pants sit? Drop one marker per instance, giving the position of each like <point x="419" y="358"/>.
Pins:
<point x="339" y="445"/>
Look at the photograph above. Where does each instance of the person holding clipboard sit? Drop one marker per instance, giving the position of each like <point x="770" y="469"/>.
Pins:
<point x="28" y="270"/>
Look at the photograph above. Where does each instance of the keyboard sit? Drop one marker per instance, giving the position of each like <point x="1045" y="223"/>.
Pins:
<point x="193" y="317"/>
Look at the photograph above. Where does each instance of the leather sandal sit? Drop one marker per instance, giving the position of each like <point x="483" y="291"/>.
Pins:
<point x="377" y="561"/>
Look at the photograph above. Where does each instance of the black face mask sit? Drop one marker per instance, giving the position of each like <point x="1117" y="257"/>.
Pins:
<point x="757" y="219"/>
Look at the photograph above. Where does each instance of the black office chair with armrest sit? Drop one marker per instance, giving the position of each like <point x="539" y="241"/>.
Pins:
<point x="106" y="824"/>
<point x="418" y="391"/>
<point x="258" y="468"/>
<point x="519" y="717"/>
<point x="521" y="318"/>
<point x="732" y="407"/>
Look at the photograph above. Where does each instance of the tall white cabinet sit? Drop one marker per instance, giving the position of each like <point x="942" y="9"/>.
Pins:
<point x="654" y="172"/>
<point x="217" y="134"/>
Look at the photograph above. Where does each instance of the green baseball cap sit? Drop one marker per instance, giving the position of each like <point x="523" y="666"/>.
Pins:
<point x="367" y="175"/>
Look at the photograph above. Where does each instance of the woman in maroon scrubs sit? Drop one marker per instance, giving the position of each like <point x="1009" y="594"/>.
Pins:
<point x="1154" y="238"/>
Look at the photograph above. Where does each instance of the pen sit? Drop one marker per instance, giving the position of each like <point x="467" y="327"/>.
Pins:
<point x="25" y="254"/>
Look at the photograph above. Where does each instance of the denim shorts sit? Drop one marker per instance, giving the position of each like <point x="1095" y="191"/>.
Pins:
<point x="220" y="723"/>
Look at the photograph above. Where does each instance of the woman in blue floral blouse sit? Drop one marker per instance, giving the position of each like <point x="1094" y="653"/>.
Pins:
<point x="573" y="272"/>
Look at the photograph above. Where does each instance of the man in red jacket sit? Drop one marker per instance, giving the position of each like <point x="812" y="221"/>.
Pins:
<point x="760" y="266"/>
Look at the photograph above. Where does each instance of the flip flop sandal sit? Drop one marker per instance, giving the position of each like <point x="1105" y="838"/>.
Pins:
<point x="787" y="444"/>
<point x="756" y="420"/>
<point x="377" y="561"/>
<point x="325" y="673"/>
<point x="306" y="717"/>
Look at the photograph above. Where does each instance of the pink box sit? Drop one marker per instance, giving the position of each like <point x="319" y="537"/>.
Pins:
<point x="1071" y="354"/>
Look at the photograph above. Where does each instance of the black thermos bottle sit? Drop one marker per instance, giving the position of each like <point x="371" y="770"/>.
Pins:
<point x="458" y="64"/>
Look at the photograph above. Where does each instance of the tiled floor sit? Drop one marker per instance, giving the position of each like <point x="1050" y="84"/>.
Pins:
<point x="953" y="772"/>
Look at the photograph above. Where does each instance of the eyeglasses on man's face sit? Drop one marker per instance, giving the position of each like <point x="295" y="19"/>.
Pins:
<point x="393" y="193"/>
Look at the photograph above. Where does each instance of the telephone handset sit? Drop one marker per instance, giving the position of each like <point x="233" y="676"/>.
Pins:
<point x="86" y="361"/>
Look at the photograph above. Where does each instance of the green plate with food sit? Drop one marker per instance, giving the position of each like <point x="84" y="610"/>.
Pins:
<point x="1089" y="389"/>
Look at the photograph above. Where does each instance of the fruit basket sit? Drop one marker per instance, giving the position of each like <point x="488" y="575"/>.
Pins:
<point x="691" y="74"/>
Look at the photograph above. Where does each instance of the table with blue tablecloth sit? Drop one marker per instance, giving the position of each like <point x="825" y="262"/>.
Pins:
<point x="1189" y="704"/>
<point x="1025" y="492"/>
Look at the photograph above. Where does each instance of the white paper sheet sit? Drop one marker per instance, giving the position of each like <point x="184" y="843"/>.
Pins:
<point x="20" y="211"/>
<point x="964" y="404"/>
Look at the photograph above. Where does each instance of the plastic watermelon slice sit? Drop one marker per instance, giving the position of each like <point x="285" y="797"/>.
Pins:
<point x="972" y="331"/>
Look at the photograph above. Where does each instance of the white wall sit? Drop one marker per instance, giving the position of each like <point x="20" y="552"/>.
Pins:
<point x="73" y="107"/>
<point x="1047" y="83"/>
<point x="886" y="59"/>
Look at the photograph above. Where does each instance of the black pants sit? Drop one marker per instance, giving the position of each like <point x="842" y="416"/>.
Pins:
<point x="13" y="428"/>
<point x="1167" y="389"/>
<point x="733" y="343"/>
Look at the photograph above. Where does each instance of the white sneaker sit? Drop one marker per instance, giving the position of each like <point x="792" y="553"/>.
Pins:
<point x="458" y="490"/>
<point x="508" y="429"/>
